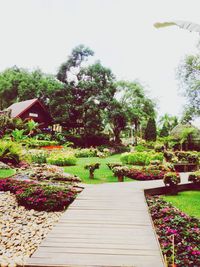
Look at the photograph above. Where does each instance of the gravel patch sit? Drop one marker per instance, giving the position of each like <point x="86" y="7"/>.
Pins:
<point x="21" y="230"/>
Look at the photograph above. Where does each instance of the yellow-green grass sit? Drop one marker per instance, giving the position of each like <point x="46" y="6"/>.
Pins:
<point x="187" y="201"/>
<point x="101" y="175"/>
<point x="6" y="173"/>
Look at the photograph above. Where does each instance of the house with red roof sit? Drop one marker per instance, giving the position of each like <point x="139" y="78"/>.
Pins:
<point x="31" y="109"/>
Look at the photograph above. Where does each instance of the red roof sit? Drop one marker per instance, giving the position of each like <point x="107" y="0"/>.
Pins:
<point x="18" y="108"/>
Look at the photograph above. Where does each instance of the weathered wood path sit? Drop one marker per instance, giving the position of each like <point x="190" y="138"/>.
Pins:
<point x="107" y="225"/>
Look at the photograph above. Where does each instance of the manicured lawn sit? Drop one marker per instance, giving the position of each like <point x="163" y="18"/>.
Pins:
<point x="6" y="173"/>
<point x="102" y="175"/>
<point x="187" y="201"/>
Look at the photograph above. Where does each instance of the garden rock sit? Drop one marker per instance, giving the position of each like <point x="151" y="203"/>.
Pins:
<point x="21" y="230"/>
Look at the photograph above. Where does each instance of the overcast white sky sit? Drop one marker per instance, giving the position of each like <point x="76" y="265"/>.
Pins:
<point x="41" y="33"/>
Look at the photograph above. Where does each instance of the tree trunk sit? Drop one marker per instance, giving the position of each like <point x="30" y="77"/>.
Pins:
<point x="91" y="175"/>
<point x="120" y="178"/>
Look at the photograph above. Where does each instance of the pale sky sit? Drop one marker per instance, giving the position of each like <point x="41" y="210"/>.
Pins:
<point x="42" y="33"/>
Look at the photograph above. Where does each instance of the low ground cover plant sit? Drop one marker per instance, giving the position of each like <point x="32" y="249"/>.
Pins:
<point x="173" y="225"/>
<point x="37" y="196"/>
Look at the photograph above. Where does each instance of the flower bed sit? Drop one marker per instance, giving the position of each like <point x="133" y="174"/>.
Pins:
<point x="145" y="175"/>
<point x="172" y="224"/>
<point x="37" y="196"/>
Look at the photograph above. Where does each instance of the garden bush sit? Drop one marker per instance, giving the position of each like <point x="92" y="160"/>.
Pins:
<point x="86" y="152"/>
<point x="168" y="222"/>
<point x="10" y="152"/>
<point x="159" y="147"/>
<point x="39" y="156"/>
<point x="171" y="179"/>
<point x="39" y="196"/>
<point x="194" y="177"/>
<point x="62" y="159"/>
<point x="140" y="158"/>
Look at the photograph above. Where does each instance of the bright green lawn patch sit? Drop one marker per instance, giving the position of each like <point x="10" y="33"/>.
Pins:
<point x="187" y="201"/>
<point x="102" y="175"/>
<point x="6" y="173"/>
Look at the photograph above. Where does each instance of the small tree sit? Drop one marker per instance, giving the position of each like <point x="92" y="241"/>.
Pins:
<point x="92" y="168"/>
<point x="150" y="132"/>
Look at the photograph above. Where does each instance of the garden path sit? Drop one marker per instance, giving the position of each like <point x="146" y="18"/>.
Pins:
<point x="107" y="225"/>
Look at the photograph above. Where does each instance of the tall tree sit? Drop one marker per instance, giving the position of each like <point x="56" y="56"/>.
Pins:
<point x="19" y="84"/>
<point x="139" y="106"/>
<point x="167" y="123"/>
<point x="189" y="75"/>
<point x="150" y="132"/>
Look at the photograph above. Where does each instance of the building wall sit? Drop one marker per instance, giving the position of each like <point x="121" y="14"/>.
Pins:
<point x="36" y="113"/>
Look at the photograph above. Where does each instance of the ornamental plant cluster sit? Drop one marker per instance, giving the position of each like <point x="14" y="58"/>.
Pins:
<point x="41" y="197"/>
<point x="170" y="223"/>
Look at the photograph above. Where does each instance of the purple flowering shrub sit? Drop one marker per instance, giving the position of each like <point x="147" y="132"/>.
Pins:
<point x="37" y="196"/>
<point x="169" y="222"/>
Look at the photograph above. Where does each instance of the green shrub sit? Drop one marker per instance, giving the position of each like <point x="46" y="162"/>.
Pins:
<point x="159" y="147"/>
<point x="86" y="153"/>
<point x="10" y="152"/>
<point x="141" y="148"/>
<point x="168" y="155"/>
<point x="140" y="158"/>
<point x="62" y="159"/>
<point x="194" y="177"/>
<point x="157" y="156"/>
<point x="171" y="179"/>
<point x="39" y="156"/>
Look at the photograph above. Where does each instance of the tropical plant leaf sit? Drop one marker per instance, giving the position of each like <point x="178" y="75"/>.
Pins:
<point x="190" y="26"/>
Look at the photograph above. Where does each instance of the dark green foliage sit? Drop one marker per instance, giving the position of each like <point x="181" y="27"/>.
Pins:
<point x="164" y="131"/>
<point x="150" y="132"/>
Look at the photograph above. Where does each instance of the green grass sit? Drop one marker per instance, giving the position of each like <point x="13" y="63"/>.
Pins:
<point x="101" y="175"/>
<point x="187" y="201"/>
<point x="6" y="173"/>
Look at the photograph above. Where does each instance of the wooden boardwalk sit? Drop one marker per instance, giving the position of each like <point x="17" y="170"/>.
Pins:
<point x="107" y="225"/>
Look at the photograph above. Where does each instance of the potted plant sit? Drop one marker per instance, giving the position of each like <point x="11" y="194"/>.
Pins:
<point x="120" y="172"/>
